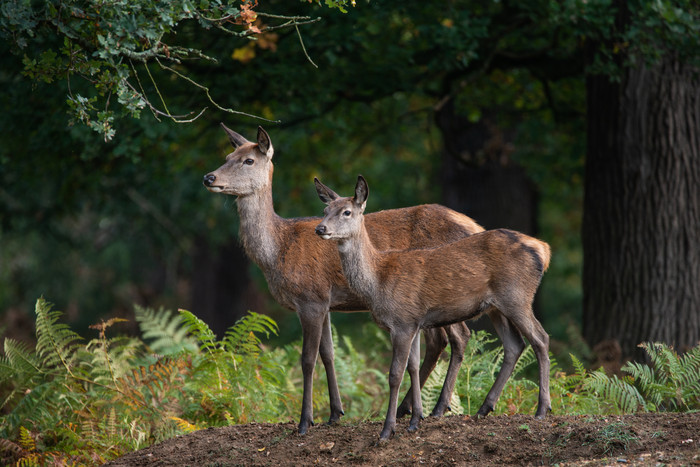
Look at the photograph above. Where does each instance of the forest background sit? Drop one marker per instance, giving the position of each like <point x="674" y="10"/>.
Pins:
<point x="574" y="121"/>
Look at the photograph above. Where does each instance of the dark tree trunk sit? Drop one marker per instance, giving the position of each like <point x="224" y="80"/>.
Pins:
<point x="641" y="226"/>
<point x="478" y="177"/>
<point x="222" y="291"/>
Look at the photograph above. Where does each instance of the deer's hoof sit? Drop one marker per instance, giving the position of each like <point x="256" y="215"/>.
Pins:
<point x="542" y="414"/>
<point x="335" y="417"/>
<point x="385" y="435"/>
<point x="440" y="410"/>
<point x="304" y="426"/>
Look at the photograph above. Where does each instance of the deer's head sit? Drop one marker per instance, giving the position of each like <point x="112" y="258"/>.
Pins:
<point x="343" y="216"/>
<point x="247" y="169"/>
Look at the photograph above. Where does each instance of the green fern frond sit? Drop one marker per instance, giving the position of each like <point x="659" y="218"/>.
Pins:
<point x="165" y="330"/>
<point x="433" y="388"/>
<point x="26" y="440"/>
<point x="199" y="330"/>
<point x="107" y="360"/>
<point x="242" y="339"/>
<point x="579" y="367"/>
<point x="19" y="369"/>
<point x="672" y="382"/>
<point x="19" y="359"/>
<point x="622" y="394"/>
<point x="56" y="342"/>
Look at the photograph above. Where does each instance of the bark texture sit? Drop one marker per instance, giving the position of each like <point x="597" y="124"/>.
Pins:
<point x="641" y="229"/>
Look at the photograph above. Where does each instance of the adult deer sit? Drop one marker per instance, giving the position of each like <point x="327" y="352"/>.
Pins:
<point x="303" y="272"/>
<point x="495" y="272"/>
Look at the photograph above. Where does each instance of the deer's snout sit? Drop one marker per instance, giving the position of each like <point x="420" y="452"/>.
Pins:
<point x="321" y="229"/>
<point x="209" y="179"/>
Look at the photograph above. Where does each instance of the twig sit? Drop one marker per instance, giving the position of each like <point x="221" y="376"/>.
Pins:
<point x="302" y="45"/>
<point x="206" y="90"/>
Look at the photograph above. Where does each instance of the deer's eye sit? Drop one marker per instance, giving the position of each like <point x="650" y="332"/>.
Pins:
<point x="346" y="213"/>
<point x="249" y="162"/>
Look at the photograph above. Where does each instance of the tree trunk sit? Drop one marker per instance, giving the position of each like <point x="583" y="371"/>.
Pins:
<point x="479" y="178"/>
<point x="222" y="291"/>
<point x="641" y="226"/>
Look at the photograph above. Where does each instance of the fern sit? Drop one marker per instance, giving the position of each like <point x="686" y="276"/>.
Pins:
<point x="673" y="381"/>
<point x="433" y="387"/>
<point x="107" y="360"/>
<point x="56" y="343"/>
<point x="164" y="330"/>
<point x="620" y="393"/>
<point x="19" y="367"/>
<point x="184" y="425"/>
<point x="241" y="337"/>
<point x="479" y="368"/>
<point x="363" y="387"/>
<point x="199" y="330"/>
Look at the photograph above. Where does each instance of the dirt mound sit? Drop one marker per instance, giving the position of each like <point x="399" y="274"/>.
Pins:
<point x="648" y="439"/>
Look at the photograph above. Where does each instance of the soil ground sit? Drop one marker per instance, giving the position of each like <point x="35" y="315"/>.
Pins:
<point x="647" y="439"/>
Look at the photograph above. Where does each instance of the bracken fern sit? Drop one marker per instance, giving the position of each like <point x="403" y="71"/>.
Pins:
<point x="673" y="381"/>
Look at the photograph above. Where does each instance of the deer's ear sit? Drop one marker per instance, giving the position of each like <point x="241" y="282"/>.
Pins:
<point x="361" y="192"/>
<point x="264" y="142"/>
<point x="324" y="193"/>
<point x="235" y="139"/>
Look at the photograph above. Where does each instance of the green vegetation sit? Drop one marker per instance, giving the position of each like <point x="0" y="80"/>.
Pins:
<point x="75" y="400"/>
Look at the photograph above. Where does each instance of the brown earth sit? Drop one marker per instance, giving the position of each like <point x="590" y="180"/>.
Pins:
<point x="648" y="439"/>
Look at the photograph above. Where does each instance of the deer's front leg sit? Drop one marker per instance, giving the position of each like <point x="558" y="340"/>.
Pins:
<point x="401" y="341"/>
<point x="435" y="343"/>
<point x="327" y="357"/>
<point x="311" y="318"/>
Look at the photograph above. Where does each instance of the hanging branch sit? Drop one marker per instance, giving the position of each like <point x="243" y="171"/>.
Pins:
<point x="206" y="90"/>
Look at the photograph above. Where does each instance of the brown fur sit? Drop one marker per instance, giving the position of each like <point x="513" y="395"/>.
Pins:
<point x="303" y="272"/>
<point x="495" y="271"/>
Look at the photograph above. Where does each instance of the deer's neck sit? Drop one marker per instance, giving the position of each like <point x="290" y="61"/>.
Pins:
<point x="358" y="258"/>
<point x="260" y="227"/>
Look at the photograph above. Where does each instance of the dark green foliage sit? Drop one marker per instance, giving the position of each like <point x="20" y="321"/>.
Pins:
<point x="110" y="46"/>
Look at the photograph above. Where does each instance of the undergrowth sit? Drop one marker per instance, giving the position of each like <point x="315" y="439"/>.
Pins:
<point x="72" y="401"/>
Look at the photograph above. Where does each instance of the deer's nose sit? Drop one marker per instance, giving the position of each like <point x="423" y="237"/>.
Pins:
<point x="209" y="179"/>
<point x="320" y="229"/>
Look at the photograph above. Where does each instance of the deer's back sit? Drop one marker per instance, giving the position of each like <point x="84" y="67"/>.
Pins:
<point x="309" y="267"/>
<point x="467" y="274"/>
<point x="423" y="226"/>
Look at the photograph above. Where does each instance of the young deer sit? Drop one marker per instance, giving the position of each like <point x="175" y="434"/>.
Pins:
<point x="495" y="272"/>
<point x="303" y="272"/>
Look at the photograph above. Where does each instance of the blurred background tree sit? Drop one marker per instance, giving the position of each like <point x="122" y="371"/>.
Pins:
<point x="488" y="107"/>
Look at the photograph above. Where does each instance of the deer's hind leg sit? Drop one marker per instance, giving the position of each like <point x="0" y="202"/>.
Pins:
<point x="413" y="362"/>
<point x="513" y="346"/>
<point x="533" y="331"/>
<point x="458" y="335"/>
<point x="327" y="357"/>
